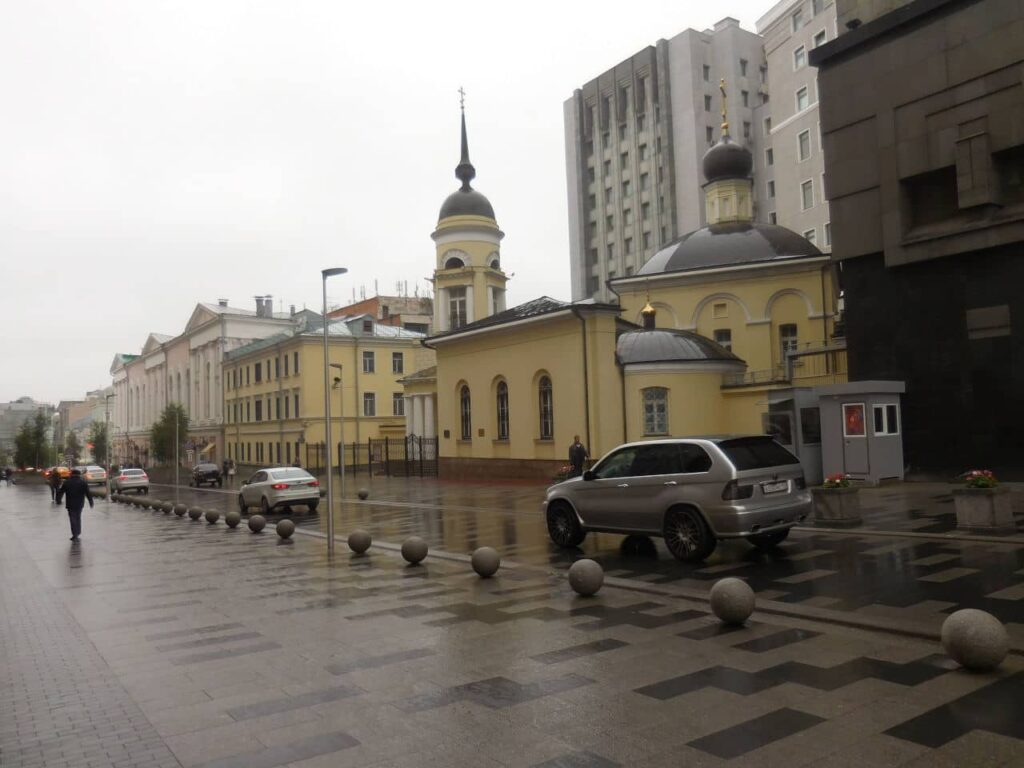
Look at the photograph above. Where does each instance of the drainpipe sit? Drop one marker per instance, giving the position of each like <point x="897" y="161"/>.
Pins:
<point x="586" y="376"/>
<point x="622" y="371"/>
<point x="280" y="389"/>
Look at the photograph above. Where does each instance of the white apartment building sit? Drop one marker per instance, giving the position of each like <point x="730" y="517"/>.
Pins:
<point x="789" y="166"/>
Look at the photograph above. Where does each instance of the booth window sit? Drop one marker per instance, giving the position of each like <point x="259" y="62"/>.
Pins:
<point x="886" y="420"/>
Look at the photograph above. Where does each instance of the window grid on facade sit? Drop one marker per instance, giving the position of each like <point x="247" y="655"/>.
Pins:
<point x="547" y="409"/>
<point x="723" y="337"/>
<point x="397" y="404"/>
<point x="799" y="57"/>
<point x="810" y="235"/>
<point x="369" y="404"/>
<point x="465" y="415"/>
<point x="655" y="411"/>
<point x="802" y="100"/>
<point x="397" y="362"/>
<point x="502" y="403"/>
<point x="769" y="156"/>
<point x="803" y="145"/>
<point x="788" y="341"/>
<point x="369" y="362"/>
<point x="456" y="307"/>
<point x="807" y="194"/>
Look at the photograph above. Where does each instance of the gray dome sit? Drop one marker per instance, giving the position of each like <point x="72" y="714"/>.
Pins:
<point x="466" y="202"/>
<point x="729" y="244"/>
<point x="727" y="160"/>
<point x="663" y="345"/>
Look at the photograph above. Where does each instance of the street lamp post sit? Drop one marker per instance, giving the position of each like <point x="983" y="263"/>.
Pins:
<point x="341" y="422"/>
<point x="324" y="274"/>
<point x="106" y="435"/>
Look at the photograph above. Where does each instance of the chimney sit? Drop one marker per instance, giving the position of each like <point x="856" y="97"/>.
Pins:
<point x="263" y="306"/>
<point x="292" y="309"/>
<point x="222" y="302"/>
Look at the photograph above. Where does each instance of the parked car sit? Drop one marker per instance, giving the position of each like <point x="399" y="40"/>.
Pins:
<point x="691" y="491"/>
<point x="205" y="473"/>
<point x="131" y="480"/>
<point x="94" y="475"/>
<point x="279" y="487"/>
<point x="64" y="472"/>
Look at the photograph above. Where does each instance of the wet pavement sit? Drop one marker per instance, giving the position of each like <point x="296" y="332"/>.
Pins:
<point x="919" y="570"/>
<point x="169" y="642"/>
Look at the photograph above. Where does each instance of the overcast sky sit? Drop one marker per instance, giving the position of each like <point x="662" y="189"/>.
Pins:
<point x="155" y="153"/>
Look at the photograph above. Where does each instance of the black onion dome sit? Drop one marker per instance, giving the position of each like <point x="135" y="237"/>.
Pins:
<point x="729" y="244"/>
<point x="466" y="202"/>
<point x="727" y="160"/>
<point x="664" y="345"/>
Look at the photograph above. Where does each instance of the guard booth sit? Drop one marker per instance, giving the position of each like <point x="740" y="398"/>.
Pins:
<point x="861" y="433"/>
<point x="793" y="419"/>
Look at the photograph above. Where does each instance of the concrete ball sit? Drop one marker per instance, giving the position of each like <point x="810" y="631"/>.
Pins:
<point x="363" y="494"/>
<point x="586" y="577"/>
<point x="232" y="518"/>
<point x="485" y="562"/>
<point x="257" y="523"/>
<point x="212" y="516"/>
<point x="285" y="528"/>
<point x="167" y="507"/>
<point x="195" y="512"/>
<point x="975" y="639"/>
<point x="732" y="600"/>
<point x="414" y="549"/>
<point x="180" y="510"/>
<point x="359" y="541"/>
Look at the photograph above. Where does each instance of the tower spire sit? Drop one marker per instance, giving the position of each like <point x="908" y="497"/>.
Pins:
<point x="464" y="171"/>
<point x="725" y="120"/>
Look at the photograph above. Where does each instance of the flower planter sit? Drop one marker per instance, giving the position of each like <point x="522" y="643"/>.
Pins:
<point x="984" y="510"/>
<point x="836" y="507"/>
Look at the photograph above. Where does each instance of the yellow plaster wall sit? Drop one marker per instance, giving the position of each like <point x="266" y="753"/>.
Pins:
<point x="695" y="403"/>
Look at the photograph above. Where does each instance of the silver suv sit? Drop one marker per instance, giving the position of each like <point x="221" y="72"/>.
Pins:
<point x="691" y="491"/>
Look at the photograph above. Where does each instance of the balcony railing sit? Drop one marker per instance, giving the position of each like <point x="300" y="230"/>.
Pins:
<point x="809" y="364"/>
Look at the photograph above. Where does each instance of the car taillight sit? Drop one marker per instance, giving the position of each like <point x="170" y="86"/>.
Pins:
<point x="279" y="486"/>
<point x="800" y="483"/>
<point x="733" y="491"/>
<point x="122" y="477"/>
<point x="314" y="482"/>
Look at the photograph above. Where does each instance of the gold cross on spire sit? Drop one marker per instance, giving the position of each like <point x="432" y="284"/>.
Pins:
<point x="462" y="98"/>
<point x="725" y="121"/>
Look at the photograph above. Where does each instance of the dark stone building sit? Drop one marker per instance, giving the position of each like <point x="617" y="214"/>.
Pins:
<point x="922" y="117"/>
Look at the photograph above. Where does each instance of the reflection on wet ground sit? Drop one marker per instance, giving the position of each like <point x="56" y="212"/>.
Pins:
<point x="880" y="575"/>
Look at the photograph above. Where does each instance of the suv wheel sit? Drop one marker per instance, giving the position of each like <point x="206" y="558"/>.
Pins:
<point x="769" y="540"/>
<point x="563" y="527"/>
<point x="242" y="506"/>
<point x="687" y="536"/>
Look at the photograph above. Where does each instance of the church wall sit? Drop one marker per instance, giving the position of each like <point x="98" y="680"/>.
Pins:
<point x="695" y="403"/>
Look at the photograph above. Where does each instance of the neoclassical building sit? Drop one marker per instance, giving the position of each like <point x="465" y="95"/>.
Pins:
<point x="725" y="330"/>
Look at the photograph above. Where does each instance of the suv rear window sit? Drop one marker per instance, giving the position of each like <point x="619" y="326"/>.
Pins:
<point x="756" y="453"/>
<point x="290" y="474"/>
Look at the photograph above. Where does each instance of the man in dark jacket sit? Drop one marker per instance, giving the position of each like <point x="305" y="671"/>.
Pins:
<point x="577" y="457"/>
<point x="54" y="484"/>
<point x="76" y="491"/>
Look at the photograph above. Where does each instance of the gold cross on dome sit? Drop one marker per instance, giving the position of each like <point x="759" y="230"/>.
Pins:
<point x="462" y="98"/>
<point x="725" y="121"/>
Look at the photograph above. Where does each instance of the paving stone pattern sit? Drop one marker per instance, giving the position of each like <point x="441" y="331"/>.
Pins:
<point x="261" y="652"/>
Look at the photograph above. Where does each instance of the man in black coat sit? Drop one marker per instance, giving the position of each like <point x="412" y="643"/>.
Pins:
<point x="577" y="456"/>
<point x="76" y="491"/>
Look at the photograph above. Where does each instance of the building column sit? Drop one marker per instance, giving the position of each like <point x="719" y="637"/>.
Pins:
<point x="428" y="416"/>
<point x="408" y="415"/>
<point x="417" y="417"/>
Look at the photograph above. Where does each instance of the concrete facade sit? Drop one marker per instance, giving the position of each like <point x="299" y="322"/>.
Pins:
<point x="634" y="139"/>
<point x="922" y="112"/>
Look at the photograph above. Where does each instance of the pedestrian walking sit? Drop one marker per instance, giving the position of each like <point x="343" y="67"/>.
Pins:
<point x="54" y="483"/>
<point x="75" y="492"/>
<point x="577" y="457"/>
<point x="9" y="476"/>
<point x="231" y="473"/>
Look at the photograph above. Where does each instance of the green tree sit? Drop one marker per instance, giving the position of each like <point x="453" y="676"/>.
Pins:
<point x="73" y="447"/>
<point x="98" y="441"/>
<point x="161" y="437"/>
<point x="30" y="444"/>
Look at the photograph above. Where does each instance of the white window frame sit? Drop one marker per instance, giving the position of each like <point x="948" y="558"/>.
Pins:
<point x="369" y="403"/>
<point x="656" y="417"/>
<point x="726" y="344"/>
<point x="501" y="403"/>
<point x="888" y="430"/>
<point x="369" y="361"/>
<point x="799" y="51"/>
<point x="827" y="236"/>
<point x="807" y="94"/>
<point x="399" y="358"/>
<point x="769" y="157"/>
<point x="769" y="188"/>
<point x="811" y="235"/>
<point x="864" y="411"/>
<point x="810" y="150"/>
<point x="397" y="404"/>
<point x="796" y="19"/>
<point x="814" y="40"/>
<point x="802" y="185"/>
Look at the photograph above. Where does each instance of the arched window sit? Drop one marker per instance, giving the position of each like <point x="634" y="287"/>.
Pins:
<point x="455" y="259"/>
<point x="466" y="414"/>
<point x="502" y="410"/>
<point x="655" y="411"/>
<point x="547" y="409"/>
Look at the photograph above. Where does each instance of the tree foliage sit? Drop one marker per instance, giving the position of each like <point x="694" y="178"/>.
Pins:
<point x="73" y="447"/>
<point x="98" y="440"/>
<point x="30" y="444"/>
<point x="161" y="437"/>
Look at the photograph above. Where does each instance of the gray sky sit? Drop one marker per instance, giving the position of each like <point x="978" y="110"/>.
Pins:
<point x="156" y="153"/>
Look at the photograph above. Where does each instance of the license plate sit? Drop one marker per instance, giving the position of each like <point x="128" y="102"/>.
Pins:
<point x="780" y="486"/>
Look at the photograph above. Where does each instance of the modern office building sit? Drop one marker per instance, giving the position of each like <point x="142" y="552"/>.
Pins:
<point x="789" y="163"/>
<point x="634" y="139"/>
<point x="922" y="113"/>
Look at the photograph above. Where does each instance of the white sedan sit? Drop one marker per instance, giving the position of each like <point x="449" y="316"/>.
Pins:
<point x="279" y="487"/>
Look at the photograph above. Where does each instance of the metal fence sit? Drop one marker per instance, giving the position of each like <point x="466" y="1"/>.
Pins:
<point x="410" y="456"/>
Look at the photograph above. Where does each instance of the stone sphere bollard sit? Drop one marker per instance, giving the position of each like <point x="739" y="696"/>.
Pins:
<point x="414" y="549"/>
<point x="732" y="600"/>
<point x="485" y="562"/>
<point x="232" y="518"/>
<point x="167" y="507"/>
<point x="586" y="577"/>
<point x="359" y="541"/>
<point x="363" y="494"/>
<point x="257" y="523"/>
<point x="180" y="510"/>
<point x="212" y="516"/>
<point x="285" y="528"/>
<point x="975" y="639"/>
<point x="195" y="512"/>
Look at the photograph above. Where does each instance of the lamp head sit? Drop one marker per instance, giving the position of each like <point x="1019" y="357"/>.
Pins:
<point x="333" y="271"/>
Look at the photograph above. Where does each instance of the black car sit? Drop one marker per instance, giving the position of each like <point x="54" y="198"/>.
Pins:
<point x="206" y="473"/>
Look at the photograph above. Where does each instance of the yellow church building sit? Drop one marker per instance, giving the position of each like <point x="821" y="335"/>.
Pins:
<point x="725" y="330"/>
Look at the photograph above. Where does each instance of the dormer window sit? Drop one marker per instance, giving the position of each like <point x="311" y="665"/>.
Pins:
<point x="367" y="326"/>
